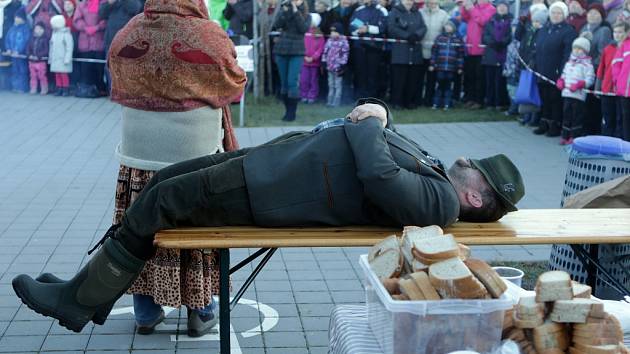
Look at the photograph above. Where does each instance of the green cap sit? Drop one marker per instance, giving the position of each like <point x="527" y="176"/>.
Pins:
<point x="503" y="177"/>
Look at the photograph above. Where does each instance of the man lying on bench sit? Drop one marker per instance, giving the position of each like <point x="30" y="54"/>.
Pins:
<point x="345" y="172"/>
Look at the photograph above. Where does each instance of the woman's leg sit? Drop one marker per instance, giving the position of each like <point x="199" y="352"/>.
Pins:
<point x="146" y="312"/>
<point x="283" y="65"/>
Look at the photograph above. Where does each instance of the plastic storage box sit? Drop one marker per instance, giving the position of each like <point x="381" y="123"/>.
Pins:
<point x="432" y="327"/>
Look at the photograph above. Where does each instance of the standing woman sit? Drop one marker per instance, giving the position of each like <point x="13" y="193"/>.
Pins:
<point x="553" y="47"/>
<point x="405" y="22"/>
<point x="293" y="20"/>
<point x="91" y="46"/>
<point x="174" y="72"/>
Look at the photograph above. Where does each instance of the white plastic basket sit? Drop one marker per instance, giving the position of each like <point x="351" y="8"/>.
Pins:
<point x="432" y="327"/>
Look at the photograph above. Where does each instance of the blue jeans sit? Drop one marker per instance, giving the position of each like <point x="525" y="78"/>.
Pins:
<point x="147" y="311"/>
<point x="289" y="67"/>
<point x="444" y="88"/>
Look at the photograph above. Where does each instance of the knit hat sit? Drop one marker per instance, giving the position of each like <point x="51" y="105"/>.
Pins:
<point x="316" y="19"/>
<point x="583" y="43"/>
<point x="501" y="2"/>
<point x="452" y="24"/>
<point x="537" y="7"/>
<point x="74" y="3"/>
<point x="562" y="6"/>
<point x="581" y="2"/>
<point x="57" y="22"/>
<point x="541" y="16"/>
<point x="21" y="13"/>
<point x="324" y="2"/>
<point x="599" y="8"/>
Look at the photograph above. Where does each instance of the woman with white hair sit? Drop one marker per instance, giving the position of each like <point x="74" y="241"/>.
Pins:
<point x="553" y="47"/>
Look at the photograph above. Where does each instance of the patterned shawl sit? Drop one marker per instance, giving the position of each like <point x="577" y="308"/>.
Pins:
<point x="172" y="58"/>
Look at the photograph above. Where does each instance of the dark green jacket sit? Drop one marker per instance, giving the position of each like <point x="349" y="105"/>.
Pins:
<point x="355" y="174"/>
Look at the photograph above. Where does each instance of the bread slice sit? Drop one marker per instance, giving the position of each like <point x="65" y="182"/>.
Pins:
<point x="464" y="251"/>
<point x="597" y="349"/>
<point x="409" y="288"/>
<point x="434" y="249"/>
<point x="576" y="310"/>
<point x="528" y="309"/>
<point x="452" y="279"/>
<point x="387" y="264"/>
<point x="554" y="285"/>
<point x="609" y="327"/>
<point x="406" y="245"/>
<point x="594" y="341"/>
<point x="581" y="290"/>
<point x="527" y="323"/>
<point x="388" y="243"/>
<point x="424" y="284"/>
<point x="549" y="336"/>
<point x="421" y="232"/>
<point x="487" y="276"/>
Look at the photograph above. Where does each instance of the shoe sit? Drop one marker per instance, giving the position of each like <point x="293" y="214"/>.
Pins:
<point x="58" y="92"/>
<point x="74" y="303"/>
<point x="310" y="101"/>
<point x="65" y="92"/>
<point x="304" y="100"/>
<point x="44" y="92"/>
<point x="199" y="325"/>
<point x="542" y="128"/>
<point x="99" y="317"/>
<point x="564" y="141"/>
<point x="33" y="91"/>
<point x="469" y="103"/>
<point x="570" y="141"/>
<point x="446" y="108"/>
<point x="553" y="131"/>
<point x="434" y="107"/>
<point x="150" y="328"/>
<point x="475" y="106"/>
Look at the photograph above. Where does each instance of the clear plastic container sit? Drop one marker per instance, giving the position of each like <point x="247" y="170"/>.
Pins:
<point x="432" y="327"/>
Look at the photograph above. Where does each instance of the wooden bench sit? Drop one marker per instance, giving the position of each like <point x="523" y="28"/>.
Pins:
<point x="524" y="227"/>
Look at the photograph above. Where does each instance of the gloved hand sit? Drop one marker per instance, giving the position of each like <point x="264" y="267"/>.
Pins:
<point x="560" y="84"/>
<point x="413" y="38"/>
<point x="90" y="30"/>
<point x="578" y="86"/>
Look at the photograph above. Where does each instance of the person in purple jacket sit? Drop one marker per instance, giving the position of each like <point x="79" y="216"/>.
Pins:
<point x="37" y="52"/>
<point x="335" y="55"/>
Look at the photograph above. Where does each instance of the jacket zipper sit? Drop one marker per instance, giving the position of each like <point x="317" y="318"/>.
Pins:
<point x="328" y="189"/>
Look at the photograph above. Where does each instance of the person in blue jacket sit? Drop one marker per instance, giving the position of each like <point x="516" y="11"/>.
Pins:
<point x="15" y="45"/>
<point x="368" y="21"/>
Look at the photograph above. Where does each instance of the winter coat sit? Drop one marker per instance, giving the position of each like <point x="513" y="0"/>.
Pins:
<point x="17" y="38"/>
<point x="497" y="35"/>
<point x="621" y="69"/>
<point x="511" y="66"/>
<point x="434" y="20"/>
<point x="7" y="11"/>
<point x="241" y="17"/>
<point x="447" y="53"/>
<point x="344" y="14"/>
<point x="575" y="70"/>
<point x="43" y="10"/>
<point x="336" y="54"/>
<point x="553" y="47"/>
<point x="403" y="24"/>
<point x="293" y="26"/>
<point x="604" y="70"/>
<point x="84" y="19"/>
<point x="38" y="47"/>
<point x="602" y="37"/>
<point x="526" y="35"/>
<point x="116" y="16"/>
<point x="60" y="54"/>
<point x="314" y="47"/>
<point x="476" y="18"/>
<point x="373" y="16"/>
<point x="577" y="21"/>
<point x="329" y="17"/>
<point x="615" y="10"/>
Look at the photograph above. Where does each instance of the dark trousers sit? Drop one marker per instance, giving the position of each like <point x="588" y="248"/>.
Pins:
<point x="496" y="86"/>
<point x="207" y="191"/>
<point x="404" y="84"/>
<point x="625" y="118"/>
<point x="444" y="93"/>
<point x="473" y="79"/>
<point x="365" y="61"/>
<point x="92" y="73"/>
<point x="551" y="113"/>
<point x="611" y="116"/>
<point x="429" y="87"/>
<point x="593" y="116"/>
<point x="457" y="87"/>
<point x="573" y="118"/>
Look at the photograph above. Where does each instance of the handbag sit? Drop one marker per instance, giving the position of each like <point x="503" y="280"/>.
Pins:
<point x="527" y="90"/>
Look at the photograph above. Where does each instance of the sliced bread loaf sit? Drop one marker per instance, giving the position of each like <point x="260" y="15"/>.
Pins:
<point x="452" y="279"/>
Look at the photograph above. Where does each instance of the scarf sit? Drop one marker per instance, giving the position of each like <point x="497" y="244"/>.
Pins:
<point x="172" y="58"/>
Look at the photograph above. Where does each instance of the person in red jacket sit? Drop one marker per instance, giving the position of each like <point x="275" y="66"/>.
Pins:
<point x="611" y="110"/>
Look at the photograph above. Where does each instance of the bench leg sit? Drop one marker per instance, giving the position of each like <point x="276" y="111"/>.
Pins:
<point x="588" y="262"/>
<point x="224" y="299"/>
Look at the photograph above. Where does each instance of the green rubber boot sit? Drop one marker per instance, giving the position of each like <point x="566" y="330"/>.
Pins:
<point x="95" y="288"/>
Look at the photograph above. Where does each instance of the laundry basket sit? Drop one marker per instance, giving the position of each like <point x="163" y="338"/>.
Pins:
<point x="594" y="160"/>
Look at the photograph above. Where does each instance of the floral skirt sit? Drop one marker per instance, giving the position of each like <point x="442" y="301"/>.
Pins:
<point x="172" y="277"/>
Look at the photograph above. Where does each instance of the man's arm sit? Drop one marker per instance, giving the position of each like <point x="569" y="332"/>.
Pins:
<point x="409" y="198"/>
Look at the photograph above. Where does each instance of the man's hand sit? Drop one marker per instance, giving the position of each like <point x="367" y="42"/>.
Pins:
<point x="308" y="59"/>
<point x="367" y="110"/>
<point x="431" y="68"/>
<point x="362" y="29"/>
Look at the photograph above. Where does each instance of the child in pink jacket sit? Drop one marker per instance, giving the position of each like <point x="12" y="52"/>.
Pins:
<point x="621" y="83"/>
<point x="313" y="48"/>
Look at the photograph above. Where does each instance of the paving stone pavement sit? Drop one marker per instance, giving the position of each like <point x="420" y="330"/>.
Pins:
<point x="57" y="175"/>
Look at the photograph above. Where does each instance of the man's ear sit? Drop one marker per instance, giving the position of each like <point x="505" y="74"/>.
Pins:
<point x="474" y="198"/>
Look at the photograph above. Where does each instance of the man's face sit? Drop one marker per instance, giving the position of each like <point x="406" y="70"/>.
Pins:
<point x="502" y="9"/>
<point x="619" y="34"/>
<point x="320" y="7"/>
<point x="432" y="4"/>
<point x="594" y="17"/>
<point x="462" y="171"/>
